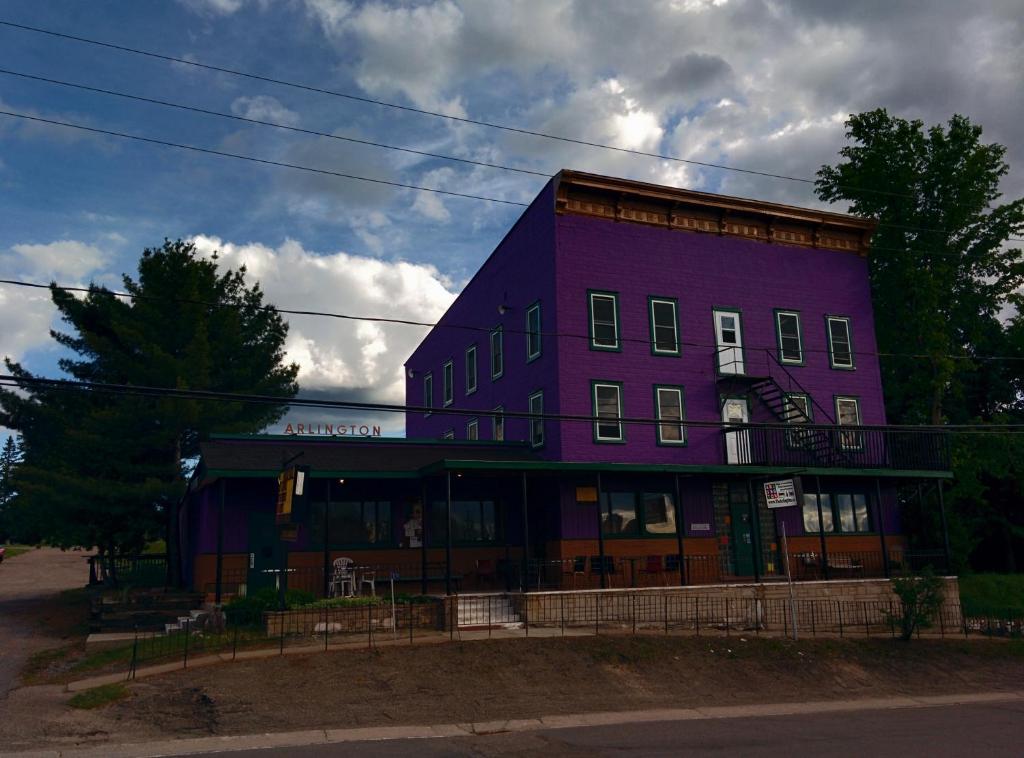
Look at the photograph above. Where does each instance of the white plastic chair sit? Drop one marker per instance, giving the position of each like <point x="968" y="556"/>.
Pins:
<point x="343" y="578"/>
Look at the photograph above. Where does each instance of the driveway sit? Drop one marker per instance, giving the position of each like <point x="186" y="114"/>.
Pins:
<point x="28" y="586"/>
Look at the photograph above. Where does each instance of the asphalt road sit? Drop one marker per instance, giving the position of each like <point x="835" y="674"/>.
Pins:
<point x="990" y="729"/>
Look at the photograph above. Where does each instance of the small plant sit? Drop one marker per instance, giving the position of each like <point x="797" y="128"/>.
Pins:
<point x="97" y="697"/>
<point x="921" y="598"/>
<point x="249" y="610"/>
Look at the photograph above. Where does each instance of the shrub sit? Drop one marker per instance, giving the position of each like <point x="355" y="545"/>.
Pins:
<point x="250" y="609"/>
<point x="921" y="598"/>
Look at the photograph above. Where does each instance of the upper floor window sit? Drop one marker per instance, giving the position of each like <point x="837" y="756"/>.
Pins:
<point x="497" y="353"/>
<point x="848" y="414"/>
<point x="536" y="405"/>
<point x="787" y="330"/>
<point x="448" y="382"/>
<point x="840" y="343"/>
<point x="533" y="332"/>
<point x="428" y="393"/>
<point x="607" y="399"/>
<point x="797" y="410"/>
<point x="604" y="320"/>
<point x="669" y="408"/>
<point x="471" y="369"/>
<point x="473" y="429"/>
<point x="664" y="326"/>
<point x="498" y="420"/>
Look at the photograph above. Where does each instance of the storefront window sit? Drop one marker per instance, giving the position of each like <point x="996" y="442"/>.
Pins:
<point x="632" y="514"/>
<point x="659" y="514"/>
<point x="841" y="511"/>
<point x="352" y="522"/>
<point x="618" y="514"/>
<point x="473" y="521"/>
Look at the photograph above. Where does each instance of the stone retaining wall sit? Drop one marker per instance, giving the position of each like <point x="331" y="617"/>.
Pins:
<point x="341" y="620"/>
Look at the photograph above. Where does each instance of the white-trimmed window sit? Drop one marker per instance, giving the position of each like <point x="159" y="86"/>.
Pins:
<point x="428" y="392"/>
<point x="498" y="423"/>
<point x="604" y="320"/>
<point x="670" y="410"/>
<point x="848" y="414"/>
<point x="607" y="403"/>
<point x="664" y="314"/>
<point x="536" y="406"/>
<point x="789" y="336"/>
<point x="471" y="369"/>
<point x="497" y="353"/>
<point x="448" y="382"/>
<point x="533" y="332"/>
<point x="840" y="343"/>
<point x="797" y="410"/>
<point x="473" y="429"/>
<point x="449" y="434"/>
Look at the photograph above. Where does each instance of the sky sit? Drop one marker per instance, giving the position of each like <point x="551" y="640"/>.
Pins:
<point x="757" y="84"/>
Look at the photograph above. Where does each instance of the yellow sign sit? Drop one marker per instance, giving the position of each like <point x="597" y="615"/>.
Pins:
<point x="290" y="485"/>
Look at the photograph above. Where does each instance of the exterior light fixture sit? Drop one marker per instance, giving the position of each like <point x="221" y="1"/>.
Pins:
<point x="341" y="481"/>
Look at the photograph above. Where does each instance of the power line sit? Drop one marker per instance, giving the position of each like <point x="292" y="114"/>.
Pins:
<point x="234" y="397"/>
<point x="264" y="161"/>
<point x="467" y="327"/>
<point x="259" y="122"/>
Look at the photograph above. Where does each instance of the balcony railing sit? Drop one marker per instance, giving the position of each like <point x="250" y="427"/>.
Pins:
<point x="821" y="446"/>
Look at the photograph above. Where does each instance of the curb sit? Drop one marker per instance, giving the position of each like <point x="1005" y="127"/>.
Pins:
<point x="201" y="745"/>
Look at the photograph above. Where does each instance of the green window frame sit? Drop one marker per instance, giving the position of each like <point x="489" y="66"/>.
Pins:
<point x="603" y="314"/>
<point x="497" y="338"/>
<point x="533" y="332"/>
<point x="535" y="403"/>
<point x="789" y="337"/>
<point x="664" y="331"/>
<point x="848" y="407"/>
<point x="798" y="439"/>
<point x="471" y="372"/>
<point x="840" y="343"/>
<point x="498" y="424"/>
<point x="447" y="383"/>
<point x="606" y="403"/>
<point x="428" y="393"/>
<point x="674" y="431"/>
<point x="473" y="429"/>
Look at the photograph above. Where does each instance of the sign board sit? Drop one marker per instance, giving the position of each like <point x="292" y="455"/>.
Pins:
<point x="333" y="430"/>
<point x="783" y="493"/>
<point x="700" y="527"/>
<point x="291" y="492"/>
<point x="586" y="494"/>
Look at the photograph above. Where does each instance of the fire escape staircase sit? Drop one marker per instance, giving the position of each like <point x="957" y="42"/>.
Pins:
<point x="820" y="444"/>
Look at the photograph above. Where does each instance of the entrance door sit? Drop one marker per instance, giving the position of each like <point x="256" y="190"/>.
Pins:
<point x="729" y="340"/>
<point x="742" y="532"/>
<point x="737" y="443"/>
<point x="265" y="551"/>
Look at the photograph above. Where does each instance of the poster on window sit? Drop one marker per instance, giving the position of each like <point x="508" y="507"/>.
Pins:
<point x="782" y="493"/>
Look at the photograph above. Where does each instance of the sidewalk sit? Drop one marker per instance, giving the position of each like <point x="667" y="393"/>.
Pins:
<point x="376" y="734"/>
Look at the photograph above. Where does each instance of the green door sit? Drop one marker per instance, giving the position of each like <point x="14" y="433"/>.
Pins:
<point x="742" y="537"/>
<point x="264" y="551"/>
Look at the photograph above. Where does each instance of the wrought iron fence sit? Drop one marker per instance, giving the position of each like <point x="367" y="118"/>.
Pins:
<point x="128" y="570"/>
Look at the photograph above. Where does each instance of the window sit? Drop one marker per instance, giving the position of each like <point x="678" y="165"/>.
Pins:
<point x="607" y="399"/>
<point x="848" y="414"/>
<point x="497" y="353"/>
<point x="635" y="514"/>
<point x="449" y="434"/>
<point x="669" y="407"/>
<point x="604" y="320"/>
<point x="473" y="521"/>
<point x="448" y="382"/>
<point x="664" y="326"/>
<point x="533" y="332"/>
<point x="840" y="344"/>
<point x="471" y="369"/>
<point x="352" y="522"/>
<point x="797" y="410"/>
<point x="787" y="330"/>
<point x="845" y="512"/>
<point x="498" y="420"/>
<point x="428" y="393"/>
<point x="473" y="429"/>
<point x="536" y="403"/>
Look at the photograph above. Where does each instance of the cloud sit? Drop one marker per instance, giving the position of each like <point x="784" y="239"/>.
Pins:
<point x="58" y="260"/>
<point x="264" y="108"/>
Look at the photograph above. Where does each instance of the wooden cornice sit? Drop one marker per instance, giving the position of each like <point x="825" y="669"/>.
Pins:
<point x="635" y="202"/>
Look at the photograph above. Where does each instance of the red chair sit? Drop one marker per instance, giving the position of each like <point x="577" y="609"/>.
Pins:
<point x="654" y="567"/>
<point x="485" y="570"/>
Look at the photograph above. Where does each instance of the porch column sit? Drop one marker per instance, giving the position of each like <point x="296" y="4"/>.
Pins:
<point x="327" y="540"/>
<point x="755" y="531"/>
<point x="945" y="526"/>
<point x="680" y="530"/>
<point x="821" y="530"/>
<point x="881" y="529"/>
<point x="220" y="539"/>
<point x="508" y="552"/>
<point x="526" y="539"/>
<point x="448" y="536"/>
<point x="424" y="511"/>
<point x="600" y="533"/>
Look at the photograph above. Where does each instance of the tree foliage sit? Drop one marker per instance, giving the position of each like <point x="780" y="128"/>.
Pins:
<point x="946" y="284"/>
<point x="105" y="469"/>
<point x="10" y="457"/>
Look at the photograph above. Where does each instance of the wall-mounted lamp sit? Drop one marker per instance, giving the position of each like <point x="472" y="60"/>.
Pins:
<point x="341" y="481"/>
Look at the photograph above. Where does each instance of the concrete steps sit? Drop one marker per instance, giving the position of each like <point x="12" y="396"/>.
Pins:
<point x="488" y="612"/>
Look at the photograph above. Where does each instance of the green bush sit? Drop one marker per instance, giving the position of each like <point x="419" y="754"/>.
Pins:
<point x="250" y="609"/>
<point x="921" y="599"/>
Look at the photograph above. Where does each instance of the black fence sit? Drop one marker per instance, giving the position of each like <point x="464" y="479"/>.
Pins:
<point x="128" y="570"/>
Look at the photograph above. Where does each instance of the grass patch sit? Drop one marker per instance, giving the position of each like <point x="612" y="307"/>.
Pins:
<point x="100" y="659"/>
<point x="40" y="664"/>
<point x="13" y="551"/>
<point x="996" y="595"/>
<point x="98" y="697"/>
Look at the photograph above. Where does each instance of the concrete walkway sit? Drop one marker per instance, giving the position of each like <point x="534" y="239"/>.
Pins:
<point x="313" y="737"/>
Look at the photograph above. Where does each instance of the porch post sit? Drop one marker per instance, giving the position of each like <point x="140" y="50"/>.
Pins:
<point x="821" y="530"/>
<point x="220" y="539"/>
<point x="526" y="539"/>
<point x="755" y="531"/>
<point x="424" y="518"/>
<point x="600" y="533"/>
<point x="327" y="540"/>
<point x="508" y="552"/>
<point x="945" y="526"/>
<point x="448" y="536"/>
<point x="886" y="570"/>
<point x="680" y="530"/>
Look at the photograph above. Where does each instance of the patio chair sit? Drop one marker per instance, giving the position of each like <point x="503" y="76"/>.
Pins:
<point x="575" y="567"/>
<point x="654" y="567"/>
<point x="343" y="578"/>
<point x="368" y="576"/>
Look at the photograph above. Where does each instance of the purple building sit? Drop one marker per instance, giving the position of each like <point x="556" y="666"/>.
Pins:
<point x="640" y="385"/>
